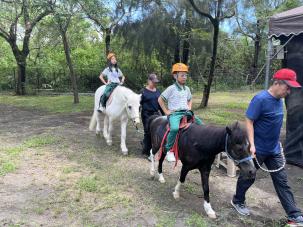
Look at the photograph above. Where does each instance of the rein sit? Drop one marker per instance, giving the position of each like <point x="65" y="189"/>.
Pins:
<point x="274" y="170"/>
<point x="237" y="162"/>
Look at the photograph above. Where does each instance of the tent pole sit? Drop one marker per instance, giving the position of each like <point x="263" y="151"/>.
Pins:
<point x="268" y="61"/>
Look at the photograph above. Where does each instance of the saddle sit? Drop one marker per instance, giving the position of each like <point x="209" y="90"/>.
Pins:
<point x="185" y="122"/>
<point x="106" y="97"/>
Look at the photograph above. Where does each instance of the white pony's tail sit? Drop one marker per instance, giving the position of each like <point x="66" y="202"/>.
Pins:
<point x="93" y="121"/>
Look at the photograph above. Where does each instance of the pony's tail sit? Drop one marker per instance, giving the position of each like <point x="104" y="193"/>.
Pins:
<point x="93" y="121"/>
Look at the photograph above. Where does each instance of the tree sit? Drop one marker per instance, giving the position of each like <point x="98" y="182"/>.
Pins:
<point x="62" y="16"/>
<point x="215" y="21"/>
<point x="253" y="25"/>
<point x="102" y="16"/>
<point x="18" y="19"/>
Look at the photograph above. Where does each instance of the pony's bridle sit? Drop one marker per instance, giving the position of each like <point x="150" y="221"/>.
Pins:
<point x="129" y="116"/>
<point x="237" y="162"/>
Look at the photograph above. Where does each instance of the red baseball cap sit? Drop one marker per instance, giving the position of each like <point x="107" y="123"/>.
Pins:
<point x="289" y="76"/>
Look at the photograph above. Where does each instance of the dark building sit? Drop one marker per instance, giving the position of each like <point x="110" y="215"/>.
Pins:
<point x="288" y="28"/>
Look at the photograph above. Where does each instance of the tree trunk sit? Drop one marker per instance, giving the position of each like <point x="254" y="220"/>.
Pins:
<point x="21" y="72"/>
<point x="177" y="58"/>
<point x="207" y="86"/>
<point x="70" y="66"/>
<point x="187" y="38"/>
<point x="257" y="46"/>
<point x="20" y="58"/>
<point x="107" y="40"/>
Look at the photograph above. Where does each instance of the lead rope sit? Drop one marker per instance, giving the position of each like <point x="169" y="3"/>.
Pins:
<point x="274" y="170"/>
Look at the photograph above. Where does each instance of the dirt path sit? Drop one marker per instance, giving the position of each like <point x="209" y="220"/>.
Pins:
<point x="66" y="176"/>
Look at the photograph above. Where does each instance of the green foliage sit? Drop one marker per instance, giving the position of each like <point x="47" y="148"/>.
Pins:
<point x="149" y="39"/>
<point x="288" y="4"/>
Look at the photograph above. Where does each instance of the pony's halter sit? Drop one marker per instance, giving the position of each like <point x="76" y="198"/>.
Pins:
<point x="237" y="162"/>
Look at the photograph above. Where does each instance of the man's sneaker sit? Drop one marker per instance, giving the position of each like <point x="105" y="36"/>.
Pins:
<point x="240" y="208"/>
<point x="294" y="222"/>
<point x="170" y="157"/>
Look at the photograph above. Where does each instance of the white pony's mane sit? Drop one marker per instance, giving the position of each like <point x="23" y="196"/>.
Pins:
<point x="126" y="91"/>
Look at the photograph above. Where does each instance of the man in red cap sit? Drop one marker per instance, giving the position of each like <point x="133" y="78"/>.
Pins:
<point x="264" y="119"/>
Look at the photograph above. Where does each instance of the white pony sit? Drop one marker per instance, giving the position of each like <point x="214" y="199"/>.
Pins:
<point x="124" y="104"/>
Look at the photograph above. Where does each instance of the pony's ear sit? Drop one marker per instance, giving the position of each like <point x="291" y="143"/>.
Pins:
<point x="237" y="124"/>
<point x="228" y="130"/>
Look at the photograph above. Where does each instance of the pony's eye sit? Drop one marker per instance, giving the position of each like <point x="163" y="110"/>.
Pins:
<point x="129" y="107"/>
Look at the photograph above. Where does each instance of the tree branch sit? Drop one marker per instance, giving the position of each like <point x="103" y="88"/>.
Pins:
<point x="201" y="12"/>
<point x="40" y="17"/>
<point x="90" y="16"/>
<point x="242" y="31"/>
<point x="228" y="16"/>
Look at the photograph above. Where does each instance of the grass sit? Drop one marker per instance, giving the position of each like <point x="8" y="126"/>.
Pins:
<point x="40" y="141"/>
<point x="7" y="167"/>
<point x="224" y="107"/>
<point x="54" y="104"/>
<point x="104" y="183"/>
<point x="166" y="221"/>
<point x="10" y="156"/>
<point x="88" y="184"/>
<point x="195" y="220"/>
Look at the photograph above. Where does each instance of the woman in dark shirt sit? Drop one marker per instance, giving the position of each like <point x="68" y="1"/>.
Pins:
<point x="150" y="106"/>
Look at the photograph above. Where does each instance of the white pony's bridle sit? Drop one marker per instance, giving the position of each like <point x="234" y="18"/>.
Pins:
<point x="132" y="119"/>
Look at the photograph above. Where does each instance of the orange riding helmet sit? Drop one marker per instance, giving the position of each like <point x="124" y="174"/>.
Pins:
<point x="110" y="55"/>
<point x="179" y="67"/>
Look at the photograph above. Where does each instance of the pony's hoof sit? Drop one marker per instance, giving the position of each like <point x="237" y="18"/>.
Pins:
<point x="212" y="215"/>
<point x="161" y="178"/>
<point x="109" y="142"/>
<point x="209" y="210"/>
<point x="176" y="195"/>
<point x="152" y="173"/>
<point x="125" y="152"/>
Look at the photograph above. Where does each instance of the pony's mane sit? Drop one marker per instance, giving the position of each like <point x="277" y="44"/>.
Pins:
<point x="238" y="132"/>
<point x="126" y="90"/>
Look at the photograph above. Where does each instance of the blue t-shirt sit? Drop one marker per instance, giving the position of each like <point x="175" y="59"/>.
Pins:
<point x="267" y="113"/>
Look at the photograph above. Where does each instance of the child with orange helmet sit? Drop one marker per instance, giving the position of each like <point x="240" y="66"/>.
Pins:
<point x="113" y="74"/>
<point x="179" y="103"/>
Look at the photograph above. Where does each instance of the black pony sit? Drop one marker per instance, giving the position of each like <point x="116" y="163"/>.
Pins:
<point x="198" y="147"/>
